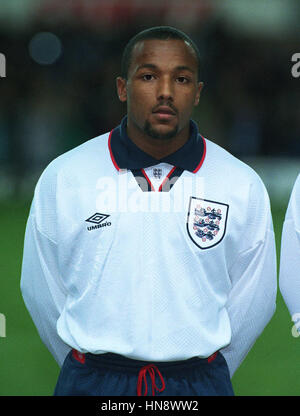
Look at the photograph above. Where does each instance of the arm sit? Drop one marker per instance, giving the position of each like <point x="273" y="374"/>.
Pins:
<point x="41" y="284"/>
<point x="289" y="276"/>
<point x="252" y="299"/>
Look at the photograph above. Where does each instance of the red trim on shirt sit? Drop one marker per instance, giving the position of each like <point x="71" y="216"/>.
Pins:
<point x="148" y="180"/>
<point x="111" y="153"/>
<point x="203" y="156"/>
<point x="166" y="178"/>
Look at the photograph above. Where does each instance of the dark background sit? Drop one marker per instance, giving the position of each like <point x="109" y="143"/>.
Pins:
<point x="249" y="105"/>
<point x="62" y="59"/>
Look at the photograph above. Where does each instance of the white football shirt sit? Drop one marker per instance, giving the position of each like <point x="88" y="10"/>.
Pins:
<point x="289" y="275"/>
<point x="157" y="261"/>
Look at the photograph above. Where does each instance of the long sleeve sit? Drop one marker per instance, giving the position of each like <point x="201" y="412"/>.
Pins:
<point x="252" y="299"/>
<point x="289" y="276"/>
<point x="41" y="284"/>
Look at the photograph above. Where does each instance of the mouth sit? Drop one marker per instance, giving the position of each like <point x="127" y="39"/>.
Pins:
<point x="164" y="113"/>
<point x="164" y="109"/>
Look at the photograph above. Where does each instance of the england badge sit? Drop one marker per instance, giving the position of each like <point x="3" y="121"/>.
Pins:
<point x="206" y="221"/>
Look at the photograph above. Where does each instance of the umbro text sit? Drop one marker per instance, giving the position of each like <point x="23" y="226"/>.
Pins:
<point x="94" y="227"/>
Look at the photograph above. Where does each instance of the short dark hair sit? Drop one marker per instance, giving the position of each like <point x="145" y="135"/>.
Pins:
<point x="157" y="32"/>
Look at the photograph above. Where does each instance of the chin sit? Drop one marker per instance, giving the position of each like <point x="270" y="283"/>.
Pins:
<point x="160" y="134"/>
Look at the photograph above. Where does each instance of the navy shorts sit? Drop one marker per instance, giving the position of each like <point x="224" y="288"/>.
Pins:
<point x="111" y="374"/>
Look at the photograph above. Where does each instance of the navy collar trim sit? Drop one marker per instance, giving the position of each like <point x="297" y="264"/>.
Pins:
<point x="126" y="155"/>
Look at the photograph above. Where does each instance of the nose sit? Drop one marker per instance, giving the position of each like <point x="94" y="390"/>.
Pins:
<point x="165" y="90"/>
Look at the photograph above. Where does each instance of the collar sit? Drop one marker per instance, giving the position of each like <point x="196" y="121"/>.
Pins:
<point x="126" y="155"/>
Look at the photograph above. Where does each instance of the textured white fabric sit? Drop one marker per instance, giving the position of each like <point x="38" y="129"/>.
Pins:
<point x="289" y="276"/>
<point x="138" y="283"/>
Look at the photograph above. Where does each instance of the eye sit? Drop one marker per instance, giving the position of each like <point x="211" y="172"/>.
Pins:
<point x="147" y="77"/>
<point x="182" y="80"/>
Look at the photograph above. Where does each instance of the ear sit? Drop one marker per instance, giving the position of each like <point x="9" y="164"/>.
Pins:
<point x="199" y="89"/>
<point x="121" y="89"/>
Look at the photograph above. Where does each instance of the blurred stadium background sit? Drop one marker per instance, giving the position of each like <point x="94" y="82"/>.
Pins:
<point x="62" y="58"/>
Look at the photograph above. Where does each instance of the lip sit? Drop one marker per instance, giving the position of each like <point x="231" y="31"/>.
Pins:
<point x="164" y="110"/>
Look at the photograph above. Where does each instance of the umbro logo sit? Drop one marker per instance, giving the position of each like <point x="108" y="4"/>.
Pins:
<point x="98" y="220"/>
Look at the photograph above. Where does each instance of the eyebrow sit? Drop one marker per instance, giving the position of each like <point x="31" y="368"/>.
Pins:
<point x="178" y="68"/>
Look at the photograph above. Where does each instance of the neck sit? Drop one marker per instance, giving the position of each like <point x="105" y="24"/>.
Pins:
<point x="158" y="148"/>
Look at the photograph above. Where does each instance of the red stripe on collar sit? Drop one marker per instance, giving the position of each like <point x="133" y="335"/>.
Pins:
<point x="111" y="153"/>
<point x="203" y="156"/>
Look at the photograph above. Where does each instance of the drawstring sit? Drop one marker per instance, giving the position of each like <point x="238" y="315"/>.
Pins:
<point x="142" y="376"/>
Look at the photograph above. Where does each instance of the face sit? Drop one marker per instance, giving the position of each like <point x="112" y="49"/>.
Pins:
<point x="161" y="89"/>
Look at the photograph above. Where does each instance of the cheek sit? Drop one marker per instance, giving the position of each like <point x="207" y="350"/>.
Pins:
<point x="140" y="100"/>
<point x="143" y="95"/>
<point x="187" y="102"/>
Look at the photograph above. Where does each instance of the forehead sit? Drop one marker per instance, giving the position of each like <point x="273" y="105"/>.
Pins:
<point x="174" y="52"/>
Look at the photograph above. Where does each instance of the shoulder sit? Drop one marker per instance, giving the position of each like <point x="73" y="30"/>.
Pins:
<point x="296" y="188"/>
<point x="70" y="171"/>
<point x="293" y="207"/>
<point x="83" y="158"/>
<point x="230" y="168"/>
<point x="86" y="153"/>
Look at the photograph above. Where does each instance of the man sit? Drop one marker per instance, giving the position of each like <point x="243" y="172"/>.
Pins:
<point x="149" y="255"/>
<point x="289" y="281"/>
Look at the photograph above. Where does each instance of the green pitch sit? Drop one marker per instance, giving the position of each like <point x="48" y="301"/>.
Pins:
<point x="26" y="367"/>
